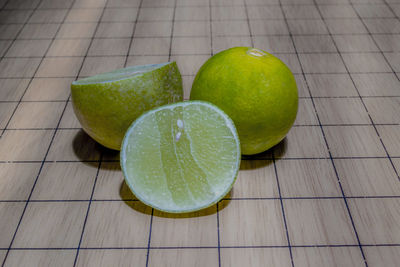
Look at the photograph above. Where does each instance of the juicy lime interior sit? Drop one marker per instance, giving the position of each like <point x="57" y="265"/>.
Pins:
<point x="119" y="74"/>
<point x="181" y="157"/>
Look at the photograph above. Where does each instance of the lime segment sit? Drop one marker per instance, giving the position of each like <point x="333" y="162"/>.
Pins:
<point x="181" y="157"/>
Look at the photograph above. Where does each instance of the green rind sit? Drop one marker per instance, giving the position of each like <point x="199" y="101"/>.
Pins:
<point x="118" y="74"/>
<point x="106" y="109"/>
<point x="125" y="141"/>
<point x="252" y="92"/>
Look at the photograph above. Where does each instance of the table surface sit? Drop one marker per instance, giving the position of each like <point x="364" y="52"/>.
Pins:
<point x="328" y="195"/>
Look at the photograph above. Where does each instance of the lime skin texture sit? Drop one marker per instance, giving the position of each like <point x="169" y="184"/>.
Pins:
<point x="256" y="89"/>
<point x="106" y="104"/>
<point x="181" y="157"/>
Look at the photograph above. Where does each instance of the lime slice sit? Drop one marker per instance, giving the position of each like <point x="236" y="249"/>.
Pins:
<point x="181" y="157"/>
<point x="106" y="104"/>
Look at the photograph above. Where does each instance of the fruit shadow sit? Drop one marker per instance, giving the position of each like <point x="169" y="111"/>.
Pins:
<point x="130" y="199"/>
<point x="248" y="163"/>
<point x="87" y="150"/>
<point x="278" y="151"/>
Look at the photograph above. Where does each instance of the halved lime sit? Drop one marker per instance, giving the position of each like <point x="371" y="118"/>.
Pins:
<point x="181" y="157"/>
<point x="106" y="104"/>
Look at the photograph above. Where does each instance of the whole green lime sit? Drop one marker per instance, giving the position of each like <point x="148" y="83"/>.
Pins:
<point x="256" y="89"/>
<point x="106" y="104"/>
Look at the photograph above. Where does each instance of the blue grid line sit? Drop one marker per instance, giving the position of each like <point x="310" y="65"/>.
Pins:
<point x="19" y="31"/>
<point x="273" y="150"/>
<point x="260" y="157"/>
<point x="217" y="35"/>
<point x="298" y="73"/>
<point x="210" y="6"/>
<point x="42" y="162"/>
<point x="227" y="198"/>
<point x="362" y="101"/>
<point x="101" y="152"/>
<point x="325" y="140"/>
<point x="191" y="5"/>
<point x="87" y="213"/>
<point x="301" y="97"/>
<point x="240" y="198"/>
<point x="219" y="237"/>
<point x="149" y="240"/>
<point x="333" y="163"/>
<point x="296" y="126"/>
<point x="31" y="78"/>
<point x="283" y="210"/>
<point x="207" y="247"/>
<point x="248" y="23"/>
<point x="166" y="20"/>
<point x="210" y="14"/>
<point x="200" y="54"/>
<point x="36" y="179"/>
<point x="5" y="3"/>
<point x="133" y="32"/>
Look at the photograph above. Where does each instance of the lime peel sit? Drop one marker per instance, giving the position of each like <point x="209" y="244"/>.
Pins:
<point x="256" y="89"/>
<point x="119" y="74"/>
<point x="106" y="104"/>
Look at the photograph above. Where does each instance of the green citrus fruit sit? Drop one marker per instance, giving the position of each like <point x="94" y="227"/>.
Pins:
<point x="106" y="104"/>
<point x="256" y="89"/>
<point x="181" y="157"/>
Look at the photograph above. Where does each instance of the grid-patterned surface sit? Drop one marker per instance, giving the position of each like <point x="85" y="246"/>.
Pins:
<point x="328" y="195"/>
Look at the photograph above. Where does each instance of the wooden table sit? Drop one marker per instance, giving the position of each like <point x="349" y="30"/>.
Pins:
<point x="328" y="195"/>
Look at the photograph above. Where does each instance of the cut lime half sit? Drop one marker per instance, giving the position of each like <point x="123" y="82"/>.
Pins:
<point x="181" y="157"/>
<point x="106" y="104"/>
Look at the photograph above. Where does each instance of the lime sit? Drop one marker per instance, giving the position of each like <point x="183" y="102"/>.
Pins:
<point x="106" y="104"/>
<point x="256" y="89"/>
<point x="181" y="157"/>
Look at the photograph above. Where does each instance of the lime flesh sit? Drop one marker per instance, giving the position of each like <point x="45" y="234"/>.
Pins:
<point x="106" y="104"/>
<point x="181" y="157"/>
<point x="118" y="74"/>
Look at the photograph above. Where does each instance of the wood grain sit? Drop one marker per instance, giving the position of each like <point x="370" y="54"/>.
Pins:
<point x="327" y="195"/>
